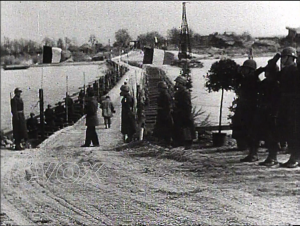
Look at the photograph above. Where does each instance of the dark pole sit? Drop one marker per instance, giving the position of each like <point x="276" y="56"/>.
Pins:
<point x="220" y="119"/>
<point x="41" y="97"/>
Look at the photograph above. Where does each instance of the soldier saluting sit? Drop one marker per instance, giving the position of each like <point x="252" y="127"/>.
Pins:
<point x="18" y="119"/>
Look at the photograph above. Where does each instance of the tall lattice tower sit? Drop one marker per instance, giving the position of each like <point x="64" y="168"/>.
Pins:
<point x="185" y="44"/>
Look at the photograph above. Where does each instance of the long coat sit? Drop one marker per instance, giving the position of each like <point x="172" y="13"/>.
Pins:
<point x="246" y="105"/>
<point x="289" y="105"/>
<point x="90" y="109"/>
<point x="107" y="108"/>
<point x="184" y="128"/>
<point x="128" y="125"/>
<point x="19" y="122"/>
<point x="264" y="125"/>
<point x="164" y="119"/>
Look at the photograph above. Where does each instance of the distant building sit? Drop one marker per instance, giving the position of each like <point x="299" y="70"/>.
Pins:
<point x="294" y="34"/>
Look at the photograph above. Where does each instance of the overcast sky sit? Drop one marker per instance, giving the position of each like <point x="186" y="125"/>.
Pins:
<point x="37" y="19"/>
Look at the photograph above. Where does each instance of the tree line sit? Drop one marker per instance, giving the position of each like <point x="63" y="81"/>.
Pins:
<point x="29" y="49"/>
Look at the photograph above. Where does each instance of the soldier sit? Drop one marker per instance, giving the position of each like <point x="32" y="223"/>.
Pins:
<point x="264" y="122"/>
<point x="164" y="120"/>
<point x="246" y="107"/>
<point x="128" y="125"/>
<point x="32" y="126"/>
<point x="19" y="122"/>
<point x="50" y="117"/>
<point x="184" y="130"/>
<point x="60" y="115"/>
<point x="69" y="103"/>
<point x="107" y="111"/>
<point x="289" y="109"/>
<point x="92" y="120"/>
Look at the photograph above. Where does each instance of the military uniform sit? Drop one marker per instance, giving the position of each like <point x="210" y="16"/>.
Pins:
<point x="128" y="125"/>
<point x="92" y="120"/>
<point x="289" y="109"/>
<point x="264" y="126"/>
<point x="164" y="120"/>
<point x="184" y="129"/>
<point x="246" y="106"/>
<point x="18" y="119"/>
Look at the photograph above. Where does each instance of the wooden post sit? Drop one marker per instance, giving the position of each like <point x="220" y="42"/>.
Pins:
<point x="220" y="119"/>
<point x="41" y="97"/>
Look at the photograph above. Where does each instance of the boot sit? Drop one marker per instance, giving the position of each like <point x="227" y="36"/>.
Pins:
<point x="293" y="162"/>
<point x="250" y="158"/>
<point x="290" y="164"/>
<point x="271" y="160"/>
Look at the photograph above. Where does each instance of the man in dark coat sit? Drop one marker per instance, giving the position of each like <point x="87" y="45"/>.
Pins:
<point x="50" y="117"/>
<point x="164" y="120"/>
<point x="184" y="129"/>
<point x="289" y="105"/>
<point x="32" y="126"/>
<point x="246" y="108"/>
<point x="69" y="103"/>
<point x="264" y="125"/>
<point x="92" y="120"/>
<point x="19" y="122"/>
<point x="128" y="124"/>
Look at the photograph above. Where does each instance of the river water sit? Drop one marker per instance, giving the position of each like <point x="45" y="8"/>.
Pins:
<point x="54" y="82"/>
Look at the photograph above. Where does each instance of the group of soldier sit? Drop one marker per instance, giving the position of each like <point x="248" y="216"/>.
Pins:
<point x="266" y="110"/>
<point x="269" y="110"/>
<point x="174" y="123"/>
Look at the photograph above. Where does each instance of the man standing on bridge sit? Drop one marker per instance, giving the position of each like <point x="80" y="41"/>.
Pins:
<point x="19" y="122"/>
<point x="164" y="120"/>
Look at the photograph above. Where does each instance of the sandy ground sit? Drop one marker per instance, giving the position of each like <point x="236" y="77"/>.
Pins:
<point x="61" y="183"/>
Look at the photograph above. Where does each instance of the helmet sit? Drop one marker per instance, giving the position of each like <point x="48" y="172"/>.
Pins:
<point x="180" y="79"/>
<point x="17" y="90"/>
<point x="289" y="51"/>
<point x="124" y="88"/>
<point x="162" y="85"/>
<point x="250" y="63"/>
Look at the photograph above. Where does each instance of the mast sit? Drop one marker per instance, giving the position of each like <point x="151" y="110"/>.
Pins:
<point x="185" y="44"/>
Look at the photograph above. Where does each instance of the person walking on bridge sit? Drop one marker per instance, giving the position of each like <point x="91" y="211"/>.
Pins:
<point x="92" y="120"/>
<point x="107" y="111"/>
<point x="18" y="119"/>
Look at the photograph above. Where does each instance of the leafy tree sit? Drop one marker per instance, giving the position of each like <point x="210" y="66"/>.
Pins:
<point x="67" y="42"/>
<point x="92" y="40"/>
<point x="149" y="38"/>
<point x="174" y="36"/>
<point x="48" y="42"/>
<point x="222" y="75"/>
<point x="60" y="43"/>
<point x="122" y="38"/>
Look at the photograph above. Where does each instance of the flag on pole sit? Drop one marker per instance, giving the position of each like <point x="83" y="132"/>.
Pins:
<point x="51" y="54"/>
<point x="157" y="56"/>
